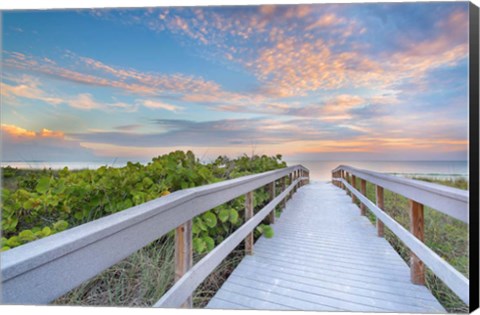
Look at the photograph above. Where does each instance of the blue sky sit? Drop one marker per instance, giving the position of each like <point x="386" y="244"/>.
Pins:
<point x="322" y="81"/>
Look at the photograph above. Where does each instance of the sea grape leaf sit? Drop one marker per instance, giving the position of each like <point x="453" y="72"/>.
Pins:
<point x="60" y="225"/>
<point x="199" y="245"/>
<point x="26" y="235"/>
<point x="267" y="231"/>
<point x="210" y="219"/>
<point x="46" y="231"/>
<point x="209" y="242"/>
<point x="43" y="185"/>
<point x="233" y="216"/>
<point x="223" y="215"/>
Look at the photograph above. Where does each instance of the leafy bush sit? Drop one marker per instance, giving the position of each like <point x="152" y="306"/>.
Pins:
<point x="41" y="203"/>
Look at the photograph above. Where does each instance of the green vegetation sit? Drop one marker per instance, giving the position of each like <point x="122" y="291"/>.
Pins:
<point x="38" y="203"/>
<point x="446" y="236"/>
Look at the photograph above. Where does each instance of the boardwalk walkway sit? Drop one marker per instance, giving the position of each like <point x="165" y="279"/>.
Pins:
<point x="324" y="256"/>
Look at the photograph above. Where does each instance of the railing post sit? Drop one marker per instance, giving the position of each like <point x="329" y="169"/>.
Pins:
<point x="248" y="216"/>
<point x="363" y="190"/>
<point x="295" y="176"/>
<point x="290" y="177"/>
<point x="353" y="182"/>
<point x="417" y="269"/>
<point x="342" y="175"/>
<point x="271" y="216"/>
<point x="183" y="254"/>
<point x="348" y="179"/>
<point x="380" y="203"/>
<point x="283" y="189"/>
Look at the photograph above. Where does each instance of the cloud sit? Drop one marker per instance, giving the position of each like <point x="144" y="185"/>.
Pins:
<point x="97" y="73"/>
<point x="27" y="87"/>
<point x="159" y="105"/>
<point x="20" y="144"/>
<point x="51" y="134"/>
<point x="17" y="132"/>
<point x="219" y="133"/>
<point x="30" y="88"/>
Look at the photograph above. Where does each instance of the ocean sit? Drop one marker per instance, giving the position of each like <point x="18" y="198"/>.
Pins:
<point x="319" y="170"/>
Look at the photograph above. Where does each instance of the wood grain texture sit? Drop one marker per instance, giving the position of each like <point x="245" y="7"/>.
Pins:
<point x="380" y="204"/>
<point x="183" y="254"/>
<point x="417" y="229"/>
<point x="271" y="191"/>
<point x="353" y="182"/>
<point x="363" y="190"/>
<point x="248" y="215"/>
<point x="324" y="256"/>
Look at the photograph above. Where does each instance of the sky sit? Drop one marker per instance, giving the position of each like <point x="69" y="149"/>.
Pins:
<point x="324" y="81"/>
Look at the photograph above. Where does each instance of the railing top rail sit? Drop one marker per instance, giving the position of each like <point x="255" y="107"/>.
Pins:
<point x="448" y="200"/>
<point x="80" y="251"/>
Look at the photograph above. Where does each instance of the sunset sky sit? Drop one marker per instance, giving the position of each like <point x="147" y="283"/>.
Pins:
<point x="345" y="81"/>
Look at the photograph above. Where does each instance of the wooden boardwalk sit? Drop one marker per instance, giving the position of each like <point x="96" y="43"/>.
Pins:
<point x="324" y="256"/>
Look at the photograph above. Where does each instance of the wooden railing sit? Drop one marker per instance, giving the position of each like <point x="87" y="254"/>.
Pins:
<point x="43" y="270"/>
<point x="447" y="200"/>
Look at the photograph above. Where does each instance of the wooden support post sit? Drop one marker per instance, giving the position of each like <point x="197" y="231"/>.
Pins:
<point x="183" y="254"/>
<point x="295" y="176"/>
<point x="417" y="269"/>
<point x="380" y="203"/>
<point x="271" y="216"/>
<point x="353" y="183"/>
<point x="283" y="189"/>
<point x="363" y="190"/>
<point x="347" y="178"/>
<point x="290" y="177"/>
<point x="248" y="216"/>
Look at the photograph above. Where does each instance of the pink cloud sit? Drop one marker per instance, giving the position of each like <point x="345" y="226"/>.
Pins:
<point x="159" y="105"/>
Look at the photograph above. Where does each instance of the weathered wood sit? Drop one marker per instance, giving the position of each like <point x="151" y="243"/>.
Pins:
<point x="271" y="189"/>
<point x="353" y="179"/>
<point x="380" y="204"/>
<point x="282" y="181"/>
<point x="290" y="177"/>
<point x="248" y="215"/>
<point x="456" y="281"/>
<point x="187" y="284"/>
<point x="448" y="200"/>
<point x="183" y="254"/>
<point x="363" y="190"/>
<point x="30" y="273"/>
<point x="417" y="229"/>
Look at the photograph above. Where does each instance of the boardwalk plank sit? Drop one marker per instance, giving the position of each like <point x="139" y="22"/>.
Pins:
<point x="274" y="276"/>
